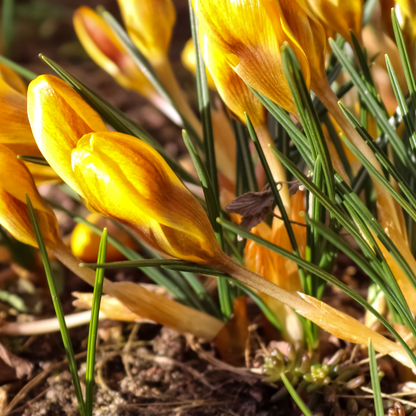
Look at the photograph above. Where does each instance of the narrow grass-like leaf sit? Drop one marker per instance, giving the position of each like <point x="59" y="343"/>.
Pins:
<point x="322" y="274"/>
<point x="375" y="173"/>
<point x="246" y="159"/>
<point x="144" y="65"/>
<point x="37" y="160"/>
<point x="375" y="109"/>
<point x="284" y="119"/>
<point x="93" y="329"/>
<point x="301" y="404"/>
<point x="404" y="58"/>
<point x="7" y="23"/>
<point x="177" y="286"/>
<point x="226" y="300"/>
<point x="375" y="382"/>
<point x="204" y="105"/>
<point x="58" y="308"/>
<point x="116" y="118"/>
<point x="25" y="73"/>
<point x="368" y="10"/>
<point x="404" y="109"/>
<point x="276" y="194"/>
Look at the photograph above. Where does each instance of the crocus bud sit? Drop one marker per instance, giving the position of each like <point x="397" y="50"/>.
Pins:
<point x="125" y="179"/>
<point x="349" y="16"/>
<point x="15" y="131"/>
<point x="59" y="117"/>
<point x="233" y="28"/>
<point x="15" y="183"/>
<point x="103" y="46"/>
<point x="85" y="243"/>
<point x="188" y="58"/>
<point x="149" y="24"/>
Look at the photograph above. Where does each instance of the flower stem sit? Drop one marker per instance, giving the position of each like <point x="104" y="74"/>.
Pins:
<point x="166" y="75"/>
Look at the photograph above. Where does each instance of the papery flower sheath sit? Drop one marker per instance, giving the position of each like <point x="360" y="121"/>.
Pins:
<point x="59" y="117"/>
<point x="15" y="183"/>
<point x="126" y="179"/>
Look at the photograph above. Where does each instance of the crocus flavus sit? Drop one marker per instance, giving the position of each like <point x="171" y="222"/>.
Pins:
<point x="339" y="16"/>
<point x="126" y="179"/>
<point x="240" y="100"/>
<point x="85" y="242"/>
<point x="15" y="132"/>
<point x="149" y="24"/>
<point x="15" y="183"/>
<point x="188" y="59"/>
<point x="103" y="46"/>
<point x="59" y="117"/>
<point x="233" y="28"/>
<point x="406" y="15"/>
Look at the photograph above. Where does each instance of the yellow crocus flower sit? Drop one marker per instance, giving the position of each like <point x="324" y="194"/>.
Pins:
<point x="188" y="58"/>
<point x="149" y="24"/>
<point x="406" y="15"/>
<point x="153" y="201"/>
<point x="233" y="28"/>
<point x="59" y="117"/>
<point x="103" y="46"/>
<point x="15" y="183"/>
<point x="339" y="16"/>
<point x="240" y="100"/>
<point x="15" y="132"/>
<point x="85" y="242"/>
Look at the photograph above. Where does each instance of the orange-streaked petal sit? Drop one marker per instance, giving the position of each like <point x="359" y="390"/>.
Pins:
<point x="250" y="33"/>
<point x="126" y="179"/>
<point x="12" y="79"/>
<point x="339" y="16"/>
<point x="59" y="117"/>
<point x="15" y="183"/>
<point x="103" y="46"/>
<point x="232" y="89"/>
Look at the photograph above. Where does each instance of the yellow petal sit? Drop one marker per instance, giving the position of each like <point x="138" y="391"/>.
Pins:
<point x="59" y="117"/>
<point x="249" y="34"/>
<point x="149" y="24"/>
<point x="188" y="59"/>
<point x="309" y="34"/>
<point x="339" y="16"/>
<point x="85" y="243"/>
<point x="103" y="46"/>
<point x="126" y="179"/>
<point x="15" y="183"/>
<point x="12" y="79"/>
<point x="232" y="89"/>
<point x="14" y="124"/>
